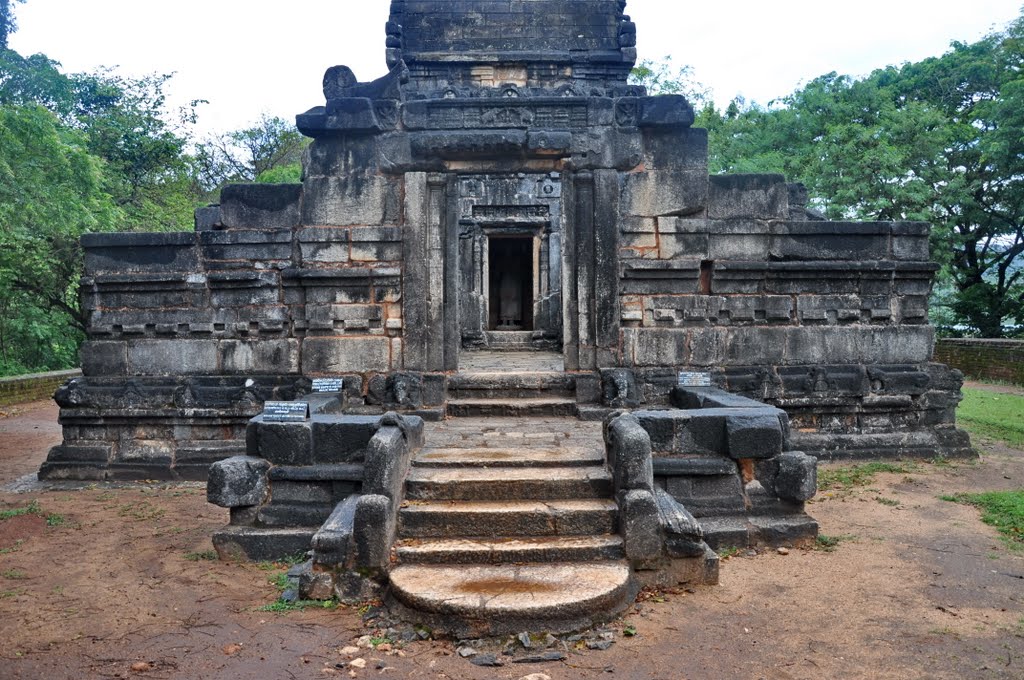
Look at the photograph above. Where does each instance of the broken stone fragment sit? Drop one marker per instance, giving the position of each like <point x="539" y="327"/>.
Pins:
<point x="238" y="482"/>
<point x="797" y="479"/>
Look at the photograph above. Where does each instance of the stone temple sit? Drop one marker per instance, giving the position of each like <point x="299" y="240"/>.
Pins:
<point x="496" y="247"/>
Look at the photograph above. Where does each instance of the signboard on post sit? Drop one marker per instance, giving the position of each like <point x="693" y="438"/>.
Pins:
<point x="330" y="385"/>
<point x="285" y="412"/>
<point x="690" y="379"/>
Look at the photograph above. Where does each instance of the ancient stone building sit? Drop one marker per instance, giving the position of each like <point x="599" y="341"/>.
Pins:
<point x="502" y="189"/>
<point x="503" y="186"/>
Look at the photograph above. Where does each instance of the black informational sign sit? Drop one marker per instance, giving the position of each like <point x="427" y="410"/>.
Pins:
<point x="327" y="384"/>
<point x="285" y="412"/>
<point x="687" y="379"/>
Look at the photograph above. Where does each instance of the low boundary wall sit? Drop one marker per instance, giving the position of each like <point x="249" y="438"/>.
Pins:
<point x="981" y="359"/>
<point x="23" y="388"/>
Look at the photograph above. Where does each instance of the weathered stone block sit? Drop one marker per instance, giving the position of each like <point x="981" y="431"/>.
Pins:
<point x="286" y="443"/>
<point x="238" y="482"/>
<point x="641" y="528"/>
<point x="259" y="356"/>
<point x="343" y="439"/>
<point x="99" y="358"/>
<point x="797" y="477"/>
<point x="172" y="357"/>
<point x="345" y="355"/>
<point x="748" y="196"/>
<point x="260" y="206"/>
<point x="753" y="436"/>
<point x="629" y="447"/>
<point x="350" y="200"/>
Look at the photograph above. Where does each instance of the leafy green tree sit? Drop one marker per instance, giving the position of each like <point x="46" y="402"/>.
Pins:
<point x="664" y="77"/>
<point x="78" y="153"/>
<point x="8" y="24"/>
<point x="51" y="191"/>
<point x="268" y="151"/>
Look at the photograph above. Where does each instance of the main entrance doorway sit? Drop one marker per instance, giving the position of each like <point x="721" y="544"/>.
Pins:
<point x="512" y="272"/>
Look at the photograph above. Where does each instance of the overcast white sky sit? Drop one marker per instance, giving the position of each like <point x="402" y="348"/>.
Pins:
<point x="253" y="56"/>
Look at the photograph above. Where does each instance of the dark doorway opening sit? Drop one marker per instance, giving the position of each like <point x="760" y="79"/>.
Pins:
<point x="510" y="260"/>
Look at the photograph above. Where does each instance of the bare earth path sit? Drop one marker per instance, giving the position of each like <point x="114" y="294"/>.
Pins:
<point x="916" y="588"/>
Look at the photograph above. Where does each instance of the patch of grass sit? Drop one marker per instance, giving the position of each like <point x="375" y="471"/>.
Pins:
<point x="826" y="543"/>
<point x="280" y="606"/>
<point x="281" y="581"/>
<point x="890" y="502"/>
<point x="14" y="574"/>
<point x="13" y="548"/>
<point x="8" y="594"/>
<point x="30" y="509"/>
<point x="55" y="520"/>
<point x="142" y="511"/>
<point x="847" y="477"/>
<point x="208" y="555"/>
<point x="726" y="553"/>
<point x="1003" y="510"/>
<point x="52" y="518"/>
<point x="992" y="414"/>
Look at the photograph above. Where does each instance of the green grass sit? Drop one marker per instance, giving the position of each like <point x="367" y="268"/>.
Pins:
<point x="890" y="502"/>
<point x="1003" y="510"/>
<point x="280" y="606"/>
<point x="726" y="553"/>
<point x="30" y="509"/>
<point x="52" y="518"/>
<point x="993" y="414"/>
<point x="848" y="477"/>
<point x="827" y="543"/>
<point x="209" y="555"/>
<point x="14" y="574"/>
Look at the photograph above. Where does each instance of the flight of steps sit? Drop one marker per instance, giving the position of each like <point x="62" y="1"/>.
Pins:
<point x="512" y="394"/>
<point x="505" y="533"/>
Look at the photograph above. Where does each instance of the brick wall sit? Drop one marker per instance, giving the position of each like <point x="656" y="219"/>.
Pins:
<point x="24" y="388"/>
<point x="984" y="359"/>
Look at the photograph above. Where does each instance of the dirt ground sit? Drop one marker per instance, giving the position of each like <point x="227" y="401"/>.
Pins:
<point x="916" y="588"/>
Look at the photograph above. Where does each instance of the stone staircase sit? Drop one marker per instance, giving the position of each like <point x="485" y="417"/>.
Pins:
<point x="510" y="525"/>
<point x="511" y="384"/>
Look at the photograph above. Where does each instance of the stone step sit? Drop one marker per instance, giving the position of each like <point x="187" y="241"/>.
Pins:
<point x="507" y="519"/>
<point x="511" y="408"/>
<point x="479" y="600"/>
<point x="524" y="483"/>
<point x="509" y="341"/>
<point x="511" y="385"/>
<point x="510" y="550"/>
<point x="506" y="458"/>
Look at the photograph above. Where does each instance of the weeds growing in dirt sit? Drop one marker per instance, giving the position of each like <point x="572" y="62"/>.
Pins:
<point x="280" y="606"/>
<point x="848" y="477"/>
<point x="52" y="518"/>
<point x="14" y="574"/>
<point x="30" y="509"/>
<point x="890" y="502"/>
<point x="13" y="548"/>
<point x="208" y="555"/>
<point x="826" y="543"/>
<point x="726" y="553"/>
<point x="1003" y="510"/>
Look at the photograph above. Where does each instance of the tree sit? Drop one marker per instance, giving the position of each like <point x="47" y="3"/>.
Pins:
<point x="664" y="77"/>
<point x="8" y="24"/>
<point x="269" y="150"/>
<point x="51" y="192"/>
<point x="78" y="153"/>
